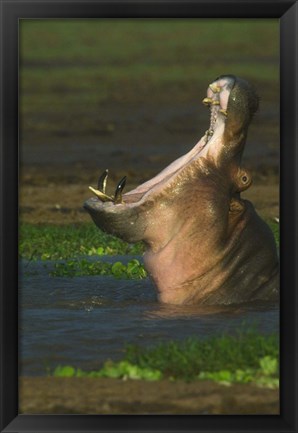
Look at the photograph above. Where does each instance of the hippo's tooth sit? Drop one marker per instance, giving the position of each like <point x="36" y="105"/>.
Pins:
<point x="119" y="189"/>
<point x="210" y="101"/>
<point x="214" y="88"/>
<point x="101" y="195"/>
<point x="207" y="101"/>
<point x="224" y="112"/>
<point x="102" y="181"/>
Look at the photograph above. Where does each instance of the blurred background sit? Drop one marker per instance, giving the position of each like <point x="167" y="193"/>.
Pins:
<point x="125" y="94"/>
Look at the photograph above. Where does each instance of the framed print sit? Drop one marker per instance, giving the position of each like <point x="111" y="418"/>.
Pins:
<point x="148" y="279"/>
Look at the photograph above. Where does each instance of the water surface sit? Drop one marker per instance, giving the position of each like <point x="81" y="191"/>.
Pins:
<point x="83" y="321"/>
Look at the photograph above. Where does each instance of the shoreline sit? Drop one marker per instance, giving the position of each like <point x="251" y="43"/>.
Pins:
<point x="53" y="395"/>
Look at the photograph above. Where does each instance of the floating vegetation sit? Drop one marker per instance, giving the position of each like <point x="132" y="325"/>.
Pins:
<point x="52" y="242"/>
<point x="246" y="357"/>
<point x="82" y="267"/>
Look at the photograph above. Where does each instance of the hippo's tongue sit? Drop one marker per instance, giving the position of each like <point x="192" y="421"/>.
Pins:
<point x="217" y="100"/>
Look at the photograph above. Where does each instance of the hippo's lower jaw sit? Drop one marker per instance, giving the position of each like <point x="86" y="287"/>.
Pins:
<point x="204" y="244"/>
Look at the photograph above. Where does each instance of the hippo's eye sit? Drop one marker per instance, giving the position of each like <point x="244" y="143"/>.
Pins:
<point x="244" y="179"/>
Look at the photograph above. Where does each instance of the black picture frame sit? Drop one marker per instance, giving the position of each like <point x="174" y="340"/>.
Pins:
<point x="11" y="12"/>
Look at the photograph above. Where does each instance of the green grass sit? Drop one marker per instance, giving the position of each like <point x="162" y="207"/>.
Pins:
<point x="70" y="242"/>
<point x="244" y="358"/>
<point x="69" y="68"/>
<point x="119" y="41"/>
<point x="80" y="267"/>
<point x="187" y="359"/>
<point x="52" y="242"/>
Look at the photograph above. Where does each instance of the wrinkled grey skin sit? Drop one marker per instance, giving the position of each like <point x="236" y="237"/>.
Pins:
<point x="205" y="244"/>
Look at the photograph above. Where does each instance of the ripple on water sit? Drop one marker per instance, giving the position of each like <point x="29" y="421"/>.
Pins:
<point x="83" y="321"/>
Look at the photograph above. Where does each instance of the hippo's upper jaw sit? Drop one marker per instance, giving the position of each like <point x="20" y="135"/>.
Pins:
<point x="205" y="244"/>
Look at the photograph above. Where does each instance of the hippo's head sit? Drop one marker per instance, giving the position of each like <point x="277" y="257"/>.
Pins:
<point x="204" y="243"/>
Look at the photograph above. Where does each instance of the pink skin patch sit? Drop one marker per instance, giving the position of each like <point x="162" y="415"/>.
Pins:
<point x="220" y="98"/>
<point x="211" y="143"/>
<point x="221" y="95"/>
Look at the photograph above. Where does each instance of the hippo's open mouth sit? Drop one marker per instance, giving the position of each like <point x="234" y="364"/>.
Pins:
<point x="204" y="243"/>
<point x="217" y="100"/>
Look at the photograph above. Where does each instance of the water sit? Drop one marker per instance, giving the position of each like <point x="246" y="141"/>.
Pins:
<point x="83" y="321"/>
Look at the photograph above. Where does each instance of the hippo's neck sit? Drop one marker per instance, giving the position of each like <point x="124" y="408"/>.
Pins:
<point x="182" y="277"/>
<point x="184" y="263"/>
<point x="184" y="271"/>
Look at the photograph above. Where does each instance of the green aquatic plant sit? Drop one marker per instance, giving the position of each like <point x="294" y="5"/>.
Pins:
<point x="266" y="375"/>
<point x="196" y="359"/>
<point x="119" y="370"/>
<point x="80" y="267"/>
<point x="189" y="357"/>
<point x="52" y="242"/>
<point x="127" y="370"/>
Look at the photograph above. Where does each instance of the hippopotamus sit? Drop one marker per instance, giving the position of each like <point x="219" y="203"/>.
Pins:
<point x="204" y="243"/>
